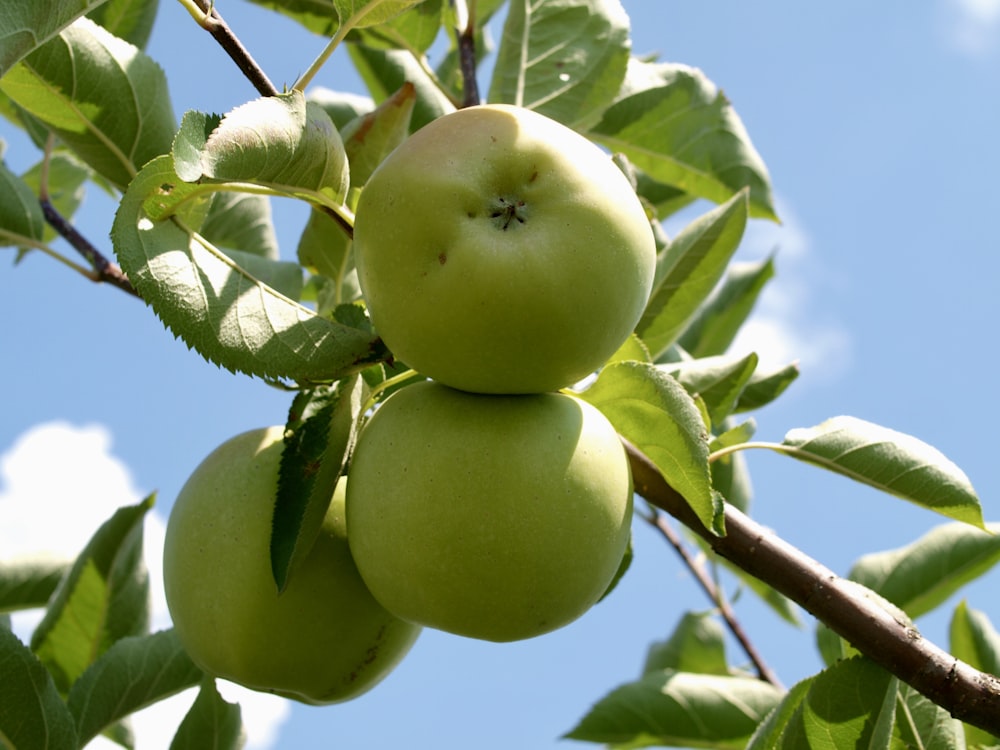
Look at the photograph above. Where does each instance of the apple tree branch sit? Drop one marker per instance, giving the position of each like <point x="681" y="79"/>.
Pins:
<point x="968" y="694"/>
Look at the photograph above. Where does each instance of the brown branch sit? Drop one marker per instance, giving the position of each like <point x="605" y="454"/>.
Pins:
<point x="104" y="269"/>
<point x="968" y="694"/>
<point x="467" y="60"/>
<point x="215" y="25"/>
<point x="657" y="521"/>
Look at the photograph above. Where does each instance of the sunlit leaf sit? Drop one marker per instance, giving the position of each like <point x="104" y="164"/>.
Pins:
<point x="131" y="20"/>
<point x="675" y="125"/>
<point x="25" y="25"/>
<point x="654" y="412"/>
<point x="566" y="60"/>
<point x="679" y="709"/>
<point x="688" y="270"/>
<point x="104" y="98"/>
<point x="134" y="673"/>
<point x="890" y="461"/>
<point x="284" y="142"/>
<point x="359" y="13"/>
<point x="845" y="706"/>
<point x="220" y="309"/>
<point x="414" y="30"/>
<point x="719" y="381"/>
<point x="32" y="715"/>
<point x="103" y="598"/>
<point x="922" y="575"/>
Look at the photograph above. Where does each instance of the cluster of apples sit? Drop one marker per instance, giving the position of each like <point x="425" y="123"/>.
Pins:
<point x="504" y="257"/>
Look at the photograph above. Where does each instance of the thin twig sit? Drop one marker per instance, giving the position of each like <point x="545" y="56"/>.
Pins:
<point x="467" y="57"/>
<point x="657" y="521"/>
<point x="968" y="694"/>
<point x="215" y="25"/>
<point x="104" y="269"/>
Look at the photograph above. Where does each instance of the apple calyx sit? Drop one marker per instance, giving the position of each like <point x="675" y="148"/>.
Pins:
<point x="507" y="212"/>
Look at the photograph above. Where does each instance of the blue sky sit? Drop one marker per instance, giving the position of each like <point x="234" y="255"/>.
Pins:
<point x="877" y="122"/>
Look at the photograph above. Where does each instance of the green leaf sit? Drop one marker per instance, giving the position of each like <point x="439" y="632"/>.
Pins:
<point x="27" y="584"/>
<point x="974" y="640"/>
<point x="385" y="71"/>
<point x="666" y="200"/>
<point x="679" y="709"/>
<point x="920" y="576"/>
<point x="241" y="221"/>
<point x="564" y="59"/>
<point x="920" y="723"/>
<point x="890" y="461"/>
<point x="220" y="309"/>
<point x="284" y="143"/>
<point x="360" y="13"/>
<point x="318" y="16"/>
<point x="32" y="715"/>
<point x="770" y="733"/>
<point x="103" y="598"/>
<point x="21" y="219"/>
<point x="765" y="387"/>
<point x="369" y="139"/>
<point x="845" y="706"/>
<point x="105" y="99"/>
<point x="131" y="20"/>
<point x="717" y="322"/>
<point x="211" y="722"/>
<point x="719" y="381"/>
<point x="25" y="25"/>
<point x="414" y="30"/>
<point x="731" y="479"/>
<point x="326" y="250"/>
<point x="688" y="269"/>
<point x="654" y="412"/>
<point x="134" y="673"/>
<point x="318" y="435"/>
<point x="697" y="645"/>
<point x="675" y="125"/>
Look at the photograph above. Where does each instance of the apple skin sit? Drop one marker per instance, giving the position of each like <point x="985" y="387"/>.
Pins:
<point x="324" y="639"/>
<point x="492" y="517"/>
<point x="501" y="252"/>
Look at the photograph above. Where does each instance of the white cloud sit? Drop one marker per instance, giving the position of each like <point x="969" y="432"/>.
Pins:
<point x="973" y="25"/>
<point x="788" y="323"/>
<point x="58" y="483"/>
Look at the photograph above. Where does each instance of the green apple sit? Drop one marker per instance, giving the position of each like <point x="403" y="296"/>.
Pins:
<point x="501" y="252"/>
<point x="325" y="639"/>
<point x="493" y="517"/>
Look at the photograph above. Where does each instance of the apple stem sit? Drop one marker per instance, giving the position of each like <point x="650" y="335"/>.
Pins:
<point x="467" y="57"/>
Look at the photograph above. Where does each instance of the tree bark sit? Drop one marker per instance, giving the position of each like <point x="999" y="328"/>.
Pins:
<point x="968" y="694"/>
